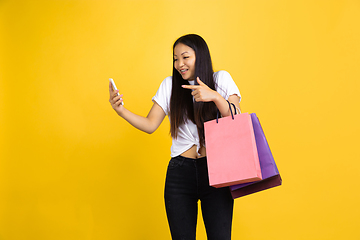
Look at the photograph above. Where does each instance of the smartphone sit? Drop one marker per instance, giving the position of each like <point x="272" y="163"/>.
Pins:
<point x="114" y="87"/>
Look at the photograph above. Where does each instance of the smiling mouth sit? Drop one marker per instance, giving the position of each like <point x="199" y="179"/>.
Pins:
<point x="183" y="71"/>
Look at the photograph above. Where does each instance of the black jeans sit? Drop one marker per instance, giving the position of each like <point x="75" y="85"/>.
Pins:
<point x="187" y="182"/>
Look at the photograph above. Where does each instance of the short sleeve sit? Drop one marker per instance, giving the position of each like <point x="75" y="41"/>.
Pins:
<point x="163" y="94"/>
<point x="225" y="85"/>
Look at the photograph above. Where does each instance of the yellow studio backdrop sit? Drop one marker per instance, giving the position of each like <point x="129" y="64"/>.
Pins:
<point x="70" y="168"/>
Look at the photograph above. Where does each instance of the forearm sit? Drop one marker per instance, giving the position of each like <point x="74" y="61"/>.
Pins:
<point x="203" y="93"/>
<point x="146" y="124"/>
<point x="142" y="123"/>
<point x="223" y="105"/>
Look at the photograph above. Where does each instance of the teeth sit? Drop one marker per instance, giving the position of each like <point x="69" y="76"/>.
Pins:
<point x="183" y="70"/>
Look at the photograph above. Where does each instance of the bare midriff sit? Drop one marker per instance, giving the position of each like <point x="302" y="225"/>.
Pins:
<point x="192" y="153"/>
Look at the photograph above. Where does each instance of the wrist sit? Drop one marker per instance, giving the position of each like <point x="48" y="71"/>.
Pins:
<point x="120" y="111"/>
<point x="217" y="99"/>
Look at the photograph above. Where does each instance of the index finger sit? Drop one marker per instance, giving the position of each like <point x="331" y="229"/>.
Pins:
<point x="190" y="86"/>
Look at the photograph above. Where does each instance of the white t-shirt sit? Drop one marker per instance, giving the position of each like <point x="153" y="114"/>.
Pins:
<point x="188" y="135"/>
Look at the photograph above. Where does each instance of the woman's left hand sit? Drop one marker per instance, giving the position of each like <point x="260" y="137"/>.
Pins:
<point x="201" y="92"/>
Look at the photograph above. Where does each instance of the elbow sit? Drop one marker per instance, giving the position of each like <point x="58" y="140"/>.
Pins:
<point x="149" y="131"/>
<point x="150" y="128"/>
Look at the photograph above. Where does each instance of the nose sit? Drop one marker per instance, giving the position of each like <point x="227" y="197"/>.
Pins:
<point x="180" y="63"/>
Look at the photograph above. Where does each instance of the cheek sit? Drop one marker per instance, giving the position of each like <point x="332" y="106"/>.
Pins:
<point x="193" y="63"/>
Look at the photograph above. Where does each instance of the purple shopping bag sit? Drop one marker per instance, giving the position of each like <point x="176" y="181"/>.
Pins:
<point x="269" y="171"/>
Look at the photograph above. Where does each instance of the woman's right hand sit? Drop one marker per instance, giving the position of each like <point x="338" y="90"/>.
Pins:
<point x="116" y="100"/>
<point x="146" y="124"/>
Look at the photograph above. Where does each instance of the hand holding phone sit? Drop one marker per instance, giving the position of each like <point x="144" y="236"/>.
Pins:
<point x="114" y="87"/>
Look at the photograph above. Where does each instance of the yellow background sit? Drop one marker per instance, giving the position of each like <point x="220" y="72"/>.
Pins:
<point x="70" y="168"/>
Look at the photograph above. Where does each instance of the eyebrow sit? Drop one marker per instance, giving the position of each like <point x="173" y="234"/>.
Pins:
<point x="181" y="54"/>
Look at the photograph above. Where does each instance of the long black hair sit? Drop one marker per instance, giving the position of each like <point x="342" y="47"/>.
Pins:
<point x="182" y="106"/>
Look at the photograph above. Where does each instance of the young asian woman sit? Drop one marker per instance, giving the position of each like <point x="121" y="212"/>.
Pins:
<point x="190" y="97"/>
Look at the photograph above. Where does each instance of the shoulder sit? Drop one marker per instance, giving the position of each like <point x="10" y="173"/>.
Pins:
<point x="225" y="85"/>
<point x="223" y="79"/>
<point x="166" y="85"/>
<point x="163" y="94"/>
<point x="168" y="79"/>
<point x="222" y="75"/>
<point x="167" y="82"/>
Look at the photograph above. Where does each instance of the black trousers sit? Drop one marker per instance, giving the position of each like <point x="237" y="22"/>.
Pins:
<point x="187" y="182"/>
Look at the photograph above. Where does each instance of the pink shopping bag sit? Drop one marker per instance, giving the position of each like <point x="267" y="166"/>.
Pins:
<point x="231" y="151"/>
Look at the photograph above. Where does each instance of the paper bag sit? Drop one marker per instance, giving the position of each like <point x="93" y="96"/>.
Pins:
<point x="231" y="151"/>
<point x="269" y="170"/>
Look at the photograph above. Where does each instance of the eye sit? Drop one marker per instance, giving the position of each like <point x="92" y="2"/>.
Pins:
<point x="175" y="60"/>
<point x="186" y="57"/>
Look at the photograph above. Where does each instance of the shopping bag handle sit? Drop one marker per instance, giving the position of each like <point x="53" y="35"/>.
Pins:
<point x="232" y="115"/>
<point x="235" y="111"/>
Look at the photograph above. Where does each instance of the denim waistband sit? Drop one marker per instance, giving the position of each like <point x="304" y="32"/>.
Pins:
<point x="190" y="161"/>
